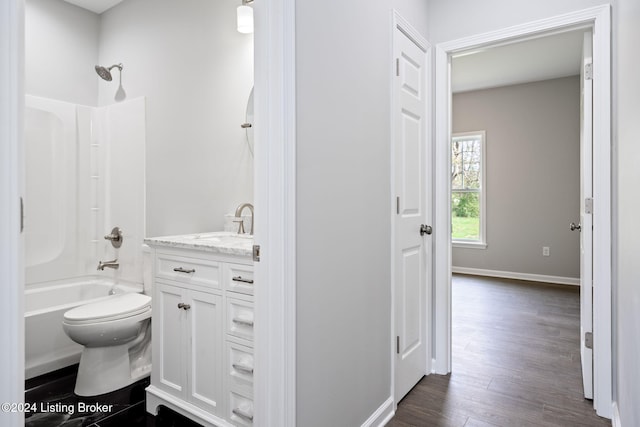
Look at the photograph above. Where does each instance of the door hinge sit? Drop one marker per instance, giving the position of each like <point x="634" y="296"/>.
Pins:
<point x="588" y="205"/>
<point x="398" y="67"/>
<point x="588" y="340"/>
<point x="398" y="344"/>
<point x="398" y="205"/>
<point x="588" y="71"/>
<point x="21" y="214"/>
<point x="256" y="253"/>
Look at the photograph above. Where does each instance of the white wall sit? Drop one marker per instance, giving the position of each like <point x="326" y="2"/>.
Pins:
<point x="343" y="67"/>
<point x="532" y="175"/>
<point x="61" y="49"/>
<point x="454" y="19"/>
<point x="196" y="72"/>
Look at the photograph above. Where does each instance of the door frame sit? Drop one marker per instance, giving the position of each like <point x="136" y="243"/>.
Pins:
<point x="11" y="190"/>
<point x="275" y="221"/>
<point x="599" y="19"/>
<point x="401" y="24"/>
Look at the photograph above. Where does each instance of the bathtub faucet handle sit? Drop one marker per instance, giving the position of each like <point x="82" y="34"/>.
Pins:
<point x="115" y="237"/>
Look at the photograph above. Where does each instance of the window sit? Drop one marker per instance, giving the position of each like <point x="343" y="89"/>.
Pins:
<point x="468" y="189"/>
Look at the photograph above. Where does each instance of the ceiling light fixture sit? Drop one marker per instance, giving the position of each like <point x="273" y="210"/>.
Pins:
<point x="245" y="17"/>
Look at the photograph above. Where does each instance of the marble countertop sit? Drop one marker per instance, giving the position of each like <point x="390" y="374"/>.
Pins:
<point x="222" y="242"/>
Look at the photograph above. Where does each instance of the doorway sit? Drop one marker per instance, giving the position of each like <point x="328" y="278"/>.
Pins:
<point x="275" y="104"/>
<point x="598" y="20"/>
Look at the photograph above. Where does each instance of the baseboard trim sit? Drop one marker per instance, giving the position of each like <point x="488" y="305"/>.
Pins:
<point x="382" y="415"/>
<point x="615" y="420"/>
<point x="559" y="280"/>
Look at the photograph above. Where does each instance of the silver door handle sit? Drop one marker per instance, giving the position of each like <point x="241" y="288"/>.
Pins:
<point x="242" y="414"/>
<point x="242" y="368"/>
<point x="243" y="322"/>
<point x="184" y="270"/>
<point x="574" y="227"/>
<point x="425" y="229"/>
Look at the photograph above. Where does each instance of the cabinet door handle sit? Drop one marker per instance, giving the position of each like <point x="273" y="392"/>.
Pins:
<point x="242" y="414"/>
<point x="244" y="322"/>
<point x="184" y="306"/>
<point x="241" y="279"/>
<point x="184" y="270"/>
<point x="242" y="368"/>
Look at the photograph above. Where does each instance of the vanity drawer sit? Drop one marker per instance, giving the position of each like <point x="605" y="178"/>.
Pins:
<point x="240" y="278"/>
<point x="192" y="271"/>
<point x="240" y="318"/>
<point x="240" y="409"/>
<point x="240" y="367"/>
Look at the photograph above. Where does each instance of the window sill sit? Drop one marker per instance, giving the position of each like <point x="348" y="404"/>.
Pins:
<point x="468" y="245"/>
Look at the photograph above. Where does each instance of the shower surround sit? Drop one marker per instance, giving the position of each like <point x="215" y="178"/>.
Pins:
<point x="84" y="175"/>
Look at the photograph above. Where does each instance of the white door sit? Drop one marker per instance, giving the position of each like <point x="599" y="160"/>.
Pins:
<point x="586" y="219"/>
<point x="410" y="186"/>
<point x="204" y="317"/>
<point x="169" y="331"/>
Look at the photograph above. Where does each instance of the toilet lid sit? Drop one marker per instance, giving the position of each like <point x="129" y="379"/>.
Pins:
<point x="111" y="308"/>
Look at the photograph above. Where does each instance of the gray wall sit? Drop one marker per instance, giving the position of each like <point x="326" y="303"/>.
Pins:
<point x="343" y="207"/>
<point x="532" y="175"/>
<point x="626" y="131"/>
<point x="61" y="48"/>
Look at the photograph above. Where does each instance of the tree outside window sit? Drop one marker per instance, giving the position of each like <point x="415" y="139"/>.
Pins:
<point x="467" y="187"/>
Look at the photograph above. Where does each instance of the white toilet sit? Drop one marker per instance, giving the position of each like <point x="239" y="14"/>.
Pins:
<point x="116" y="335"/>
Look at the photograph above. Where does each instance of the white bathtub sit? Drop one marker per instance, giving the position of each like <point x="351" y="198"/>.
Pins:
<point x="47" y="347"/>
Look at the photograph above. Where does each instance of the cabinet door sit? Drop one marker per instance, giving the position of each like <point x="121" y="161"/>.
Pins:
<point x="205" y="356"/>
<point x="169" y="331"/>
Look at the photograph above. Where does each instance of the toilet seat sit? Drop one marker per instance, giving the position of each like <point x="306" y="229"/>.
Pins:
<point x="111" y="308"/>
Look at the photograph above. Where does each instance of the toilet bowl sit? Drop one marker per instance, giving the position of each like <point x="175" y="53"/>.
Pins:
<point x="116" y="336"/>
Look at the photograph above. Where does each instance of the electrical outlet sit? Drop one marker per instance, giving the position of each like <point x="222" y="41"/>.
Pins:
<point x="545" y="251"/>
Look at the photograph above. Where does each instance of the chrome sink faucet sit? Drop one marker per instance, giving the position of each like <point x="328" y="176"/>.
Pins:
<point x="108" y="264"/>
<point x="239" y="215"/>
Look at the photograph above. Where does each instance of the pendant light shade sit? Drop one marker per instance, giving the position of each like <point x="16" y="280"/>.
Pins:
<point x="245" y="19"/>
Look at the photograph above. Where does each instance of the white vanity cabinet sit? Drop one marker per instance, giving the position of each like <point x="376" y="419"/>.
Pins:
<point x="202" y="333"/>
<point x="187" y="344"/>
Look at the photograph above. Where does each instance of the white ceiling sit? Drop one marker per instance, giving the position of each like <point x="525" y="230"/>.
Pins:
<point x="538" y="59"/>
<point x="97" y="6"/>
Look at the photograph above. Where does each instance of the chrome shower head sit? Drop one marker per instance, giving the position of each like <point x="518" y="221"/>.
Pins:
<point x="105" y="73"/>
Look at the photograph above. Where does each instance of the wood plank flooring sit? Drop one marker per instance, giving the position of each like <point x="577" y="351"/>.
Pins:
<point x="516" y="360"/>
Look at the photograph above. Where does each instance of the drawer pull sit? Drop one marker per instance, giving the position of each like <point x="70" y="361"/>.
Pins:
<point x="241" y="279"/>
<point x="184" y="306"/>
<point x="242" y="414"/>
<point x="244" y="322"/>
<point x="184" y="270"/>
<point x="242" y="368"/>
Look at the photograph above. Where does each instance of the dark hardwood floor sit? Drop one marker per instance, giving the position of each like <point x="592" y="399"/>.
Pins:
<point x="516" y="360"/>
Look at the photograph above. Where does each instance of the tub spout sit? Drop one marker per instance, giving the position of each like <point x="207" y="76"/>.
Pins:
<point x="108" y="264"/>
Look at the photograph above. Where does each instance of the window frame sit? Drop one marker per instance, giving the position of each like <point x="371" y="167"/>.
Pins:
<point x="481" y="243"/>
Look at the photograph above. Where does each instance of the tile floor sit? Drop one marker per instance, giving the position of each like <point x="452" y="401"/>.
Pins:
<point x="56" y="405"/>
